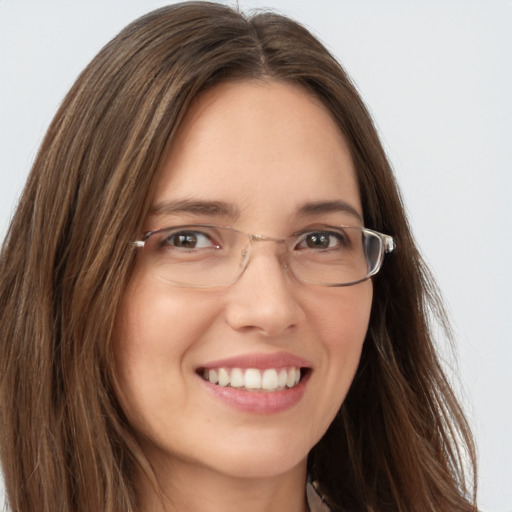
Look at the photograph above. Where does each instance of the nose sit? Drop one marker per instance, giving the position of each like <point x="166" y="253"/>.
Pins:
<point x="264" y="299"/>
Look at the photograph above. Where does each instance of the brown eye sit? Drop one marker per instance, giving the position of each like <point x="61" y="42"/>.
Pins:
<point x="318" y="241"/>
<point x="322" y="240"/>
<point x="187" y="240"/>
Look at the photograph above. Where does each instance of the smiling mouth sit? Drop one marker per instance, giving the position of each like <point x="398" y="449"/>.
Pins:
<point x="254" y="379"/>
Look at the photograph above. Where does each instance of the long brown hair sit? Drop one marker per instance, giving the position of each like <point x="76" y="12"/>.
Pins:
<point x="400" y="441"/>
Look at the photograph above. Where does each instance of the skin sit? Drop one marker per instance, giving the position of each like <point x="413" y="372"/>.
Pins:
<point x="265" y="148"/>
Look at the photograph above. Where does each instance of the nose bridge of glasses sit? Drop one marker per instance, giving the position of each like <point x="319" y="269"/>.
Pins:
<point x="281" y="242"/>
<point x="255" y="237"/>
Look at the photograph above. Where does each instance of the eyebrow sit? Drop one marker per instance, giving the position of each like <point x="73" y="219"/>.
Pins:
<point x="322" y="207"/>
<point x="196" y="207"/>
<point x="232" y="212"/>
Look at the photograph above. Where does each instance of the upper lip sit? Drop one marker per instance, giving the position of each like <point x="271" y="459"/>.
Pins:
<point x="260" y="361"/>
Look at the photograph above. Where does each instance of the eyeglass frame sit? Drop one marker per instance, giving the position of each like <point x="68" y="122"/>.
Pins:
<point x="388" y="245"/>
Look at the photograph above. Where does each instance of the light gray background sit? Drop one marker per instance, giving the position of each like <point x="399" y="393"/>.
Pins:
<point x="437" y="76"/>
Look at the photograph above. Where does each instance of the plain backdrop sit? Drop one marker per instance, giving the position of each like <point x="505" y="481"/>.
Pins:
<point x="437" y="77"/>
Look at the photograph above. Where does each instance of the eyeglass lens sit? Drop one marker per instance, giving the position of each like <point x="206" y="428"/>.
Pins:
<point x="210" y="256"/>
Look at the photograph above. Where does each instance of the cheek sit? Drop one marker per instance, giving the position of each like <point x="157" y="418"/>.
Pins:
<point x="155" y="318"/>
<point x="342" y="322"/>
<point x="343" y="316"/>
<point x="156" y="334"/>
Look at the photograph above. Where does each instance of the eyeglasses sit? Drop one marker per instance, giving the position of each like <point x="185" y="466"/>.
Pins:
<point x="208" y="256"/>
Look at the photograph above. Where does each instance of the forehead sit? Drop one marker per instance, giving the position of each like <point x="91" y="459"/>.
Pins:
<point x="262" y="146"/>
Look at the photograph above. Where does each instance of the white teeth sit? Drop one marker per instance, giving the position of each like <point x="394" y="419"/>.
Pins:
<point x="223" y="377"/>
<point x="237" y="378"/>
<point x="213" y="377"/>
<point x="290" y="381"/>
<point x="283" y="377"/>
<point x="269" y="380"/>
<point x="253" y="379"/>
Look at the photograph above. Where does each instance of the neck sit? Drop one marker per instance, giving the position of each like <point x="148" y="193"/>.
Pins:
<point x="188" y="488"/>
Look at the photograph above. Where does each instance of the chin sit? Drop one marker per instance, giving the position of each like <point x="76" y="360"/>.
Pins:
<point x="260" y="454"/>
<point x="254" y="466"/>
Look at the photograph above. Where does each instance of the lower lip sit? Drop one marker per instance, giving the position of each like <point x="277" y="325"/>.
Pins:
<point x="258" y="402"/>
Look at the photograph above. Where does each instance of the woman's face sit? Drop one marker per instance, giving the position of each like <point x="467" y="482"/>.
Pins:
<point x="265" y="158"/>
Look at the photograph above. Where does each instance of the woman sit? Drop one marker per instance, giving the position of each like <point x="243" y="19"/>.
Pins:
<point x="186" y="322"/>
